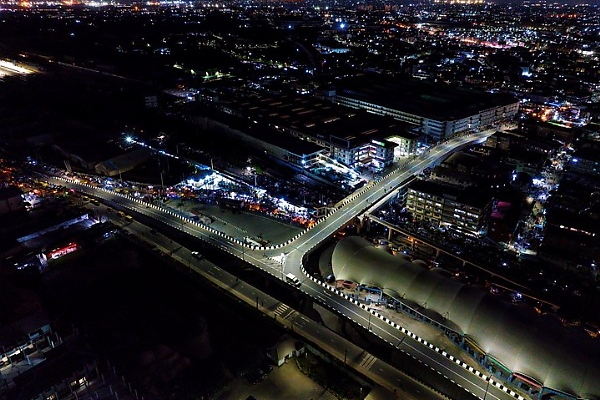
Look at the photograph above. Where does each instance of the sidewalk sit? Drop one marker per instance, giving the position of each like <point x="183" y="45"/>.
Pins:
<point x="421" y="329"/>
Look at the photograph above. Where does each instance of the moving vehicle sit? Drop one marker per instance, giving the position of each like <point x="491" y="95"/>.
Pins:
<point x="197" y="255"/>
<point x="292" y="280"/>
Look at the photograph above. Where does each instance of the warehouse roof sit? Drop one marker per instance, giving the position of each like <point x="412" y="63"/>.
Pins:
<point x="539" y="347"/>
<point x="434" y="101"/>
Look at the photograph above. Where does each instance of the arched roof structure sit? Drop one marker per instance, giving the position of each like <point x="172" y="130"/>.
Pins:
<point x="539" y="347"/>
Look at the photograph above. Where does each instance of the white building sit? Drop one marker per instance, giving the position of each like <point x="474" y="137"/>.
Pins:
<point x="286" y="348"/>
<point x="406" y="144"/>
<point x="439" y="111"/>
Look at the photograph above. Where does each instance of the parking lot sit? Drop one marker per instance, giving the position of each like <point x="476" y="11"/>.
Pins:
<point x="283" y="383"/>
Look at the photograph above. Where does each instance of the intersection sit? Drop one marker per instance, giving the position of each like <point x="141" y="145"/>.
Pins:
<point x="474" y="384"/>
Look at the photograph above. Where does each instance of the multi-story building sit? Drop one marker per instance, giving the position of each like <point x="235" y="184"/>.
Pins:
<point x="439" y="112"/>
<point x="407" y="143"/>
<point x="352" y="146"/>
<point x="549" y="130"/>
<point x="586" y="159"/>
<point x="468" y="169"/>
<point x="571" y="237"/>
<point x="353" y="137"/>
<point x="465" y="210"/>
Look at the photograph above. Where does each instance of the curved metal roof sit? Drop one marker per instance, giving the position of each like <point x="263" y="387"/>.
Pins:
<point x="564" y="359"/>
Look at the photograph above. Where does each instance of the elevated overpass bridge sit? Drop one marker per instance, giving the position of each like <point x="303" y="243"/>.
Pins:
<point x="474" y="384"/>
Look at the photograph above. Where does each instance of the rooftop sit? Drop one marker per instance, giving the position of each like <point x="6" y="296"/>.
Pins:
<point x="434" y="101"/>
<point x="321" y="119"/>
<point x="537" y="346"/>
<point x="587" y="151"/>
<point x="269" y="135"/>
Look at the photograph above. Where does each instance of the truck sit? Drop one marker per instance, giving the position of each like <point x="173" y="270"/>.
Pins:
<point x="292" y="280"/>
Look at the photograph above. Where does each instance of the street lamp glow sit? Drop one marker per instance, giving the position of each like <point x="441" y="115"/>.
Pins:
<point x="128" y="139"/>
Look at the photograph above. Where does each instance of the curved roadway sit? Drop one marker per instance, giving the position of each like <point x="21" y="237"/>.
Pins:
<point x="443" y="364"/>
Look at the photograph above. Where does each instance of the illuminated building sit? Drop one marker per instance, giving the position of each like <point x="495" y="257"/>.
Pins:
<point x="61" y="251"/>
<point x="459" y="1"/>
<point x="466" y="210"/>
<point x="438" y="111"/>
<point x="522" y="346"/>
<point x="354" y="138"/>
<point x="586" y="160"/>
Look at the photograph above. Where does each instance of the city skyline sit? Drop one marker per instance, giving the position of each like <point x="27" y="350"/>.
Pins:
<point x="291" y="200"/>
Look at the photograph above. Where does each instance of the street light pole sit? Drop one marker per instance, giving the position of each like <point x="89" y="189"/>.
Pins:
<point x="162" y="182"/>
<point x="486" y="388"/>
<point x="244" y="250"/>
<point x="369" y="328"/>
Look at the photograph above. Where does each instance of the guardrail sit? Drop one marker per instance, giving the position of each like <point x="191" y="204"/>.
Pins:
<point x="242" y="243"/>
<point x="412" y="335"/>
<point x="345" y="202"/>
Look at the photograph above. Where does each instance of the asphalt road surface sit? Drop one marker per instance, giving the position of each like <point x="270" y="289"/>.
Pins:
<point x="368" y="197"/>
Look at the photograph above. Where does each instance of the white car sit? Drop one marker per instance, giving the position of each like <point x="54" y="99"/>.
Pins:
<point x="197" y="255"/>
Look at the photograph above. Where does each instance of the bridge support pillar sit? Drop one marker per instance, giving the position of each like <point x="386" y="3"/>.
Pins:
<point x="308" y="304"/>
<point x="540" y="394"/>
<point x="390" y="234"/>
